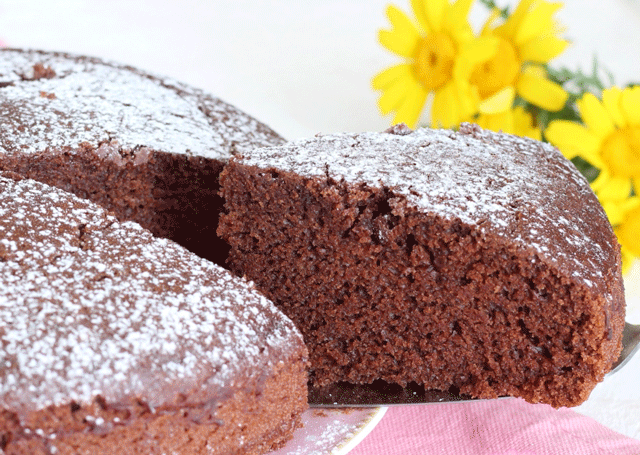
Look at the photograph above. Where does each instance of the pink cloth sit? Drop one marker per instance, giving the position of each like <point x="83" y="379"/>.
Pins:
<point x="493" y="427"/>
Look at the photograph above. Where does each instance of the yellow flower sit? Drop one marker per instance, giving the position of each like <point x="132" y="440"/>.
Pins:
<point x="625" y="216"/>
<point x="526" y="40"/>
<point x="609" y="138"/>
<point x="437" y="50"/>
<point x="627" y="234"/>
<point x="513" y="121"/>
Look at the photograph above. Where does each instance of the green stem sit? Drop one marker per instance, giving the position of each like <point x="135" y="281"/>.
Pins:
<point x="491" y="5"/>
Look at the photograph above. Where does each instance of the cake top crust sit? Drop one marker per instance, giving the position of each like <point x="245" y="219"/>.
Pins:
<point x="56" y="101"/>
<point x="517" y="188"/>
<point x="91" y="306"/>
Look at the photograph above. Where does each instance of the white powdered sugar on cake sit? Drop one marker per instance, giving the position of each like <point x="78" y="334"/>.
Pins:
<point x="84" y="100"/>
<point x="91" y="306"/>
<point x="501" y="184"/>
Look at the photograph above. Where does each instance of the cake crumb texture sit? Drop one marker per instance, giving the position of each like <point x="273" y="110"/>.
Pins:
<point x="469" y="261"/>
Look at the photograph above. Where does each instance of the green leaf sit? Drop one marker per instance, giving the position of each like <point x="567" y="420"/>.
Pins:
<point x="586" y="169"/>
<point x="491" y="5"/>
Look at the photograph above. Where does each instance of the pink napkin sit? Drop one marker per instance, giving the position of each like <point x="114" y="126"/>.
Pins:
<point x="493" y="427"/>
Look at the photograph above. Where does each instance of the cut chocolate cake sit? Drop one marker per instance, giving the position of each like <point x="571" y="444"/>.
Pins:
<point x="147" y="148"/>
<point x="470" y="260"/>
<point x="117" y="342"/>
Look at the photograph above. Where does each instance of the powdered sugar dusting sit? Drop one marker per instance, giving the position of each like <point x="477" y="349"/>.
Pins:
<point x="513" y="187"/>
<point x="87" y="100"/>
<point x="91" y="306"/>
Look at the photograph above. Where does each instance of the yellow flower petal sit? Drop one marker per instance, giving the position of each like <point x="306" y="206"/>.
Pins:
<point x="601" y="180"/>
<point x="542" y="49"/>
<point x="387" y="77"/>
<point x="393" y="95"/>
<point x="613" y="211"/>
<point x="403" y="36"/>
<point x="595" y="116"/>
<point x="624" y="209"/>
<point x="536" y="22"/>
<point x="409" y="110"/>
<point x="630" y="104"/>
<point x="456" y="22"/>
<point x="621" y="151"/>
<point x="468" y="100"/>
<point x="444" y="111"/>
<point x="459" y="11"/>
<point x="574" y="139"/>
<point x="611" y="188"/>
<point x="628" y="232"/>
<point x="434" y="12"/>
<point x="541" y="92"/>
<point x="536" y="70"/>
<point x="418" y="9"/>
<point x="627" y="260"/>
<point x="478" y="51"/>
<point x="502" y="121"/>
<point x="500" y="102"/>
<point x="523" y="124"/>
<point x="631" y="204"/>
<point x="513" y="121"/>
<point x="488" y="25"/>
<point x="510" y="27"/>
<point x="611" y="99"/>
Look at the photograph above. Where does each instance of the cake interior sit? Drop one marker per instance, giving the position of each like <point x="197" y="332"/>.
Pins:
<point x="382" y="291"/>
<point x="174" y="196"/>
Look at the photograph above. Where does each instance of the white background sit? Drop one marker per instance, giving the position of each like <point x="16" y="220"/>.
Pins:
<point x="304" y="67"/>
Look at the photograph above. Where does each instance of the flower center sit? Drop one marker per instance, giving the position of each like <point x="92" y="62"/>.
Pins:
<point x="621" y="151"/>
<point x="498" y="72"/>
<point x="435" y="55"/>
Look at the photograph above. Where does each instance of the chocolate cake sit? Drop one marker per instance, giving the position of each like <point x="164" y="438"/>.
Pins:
<point x="470" y="261"/>
<point x="145" y="147"/>
<point x="117" y="342"/>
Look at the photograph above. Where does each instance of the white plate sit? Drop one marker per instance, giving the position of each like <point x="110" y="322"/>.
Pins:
<point x="332" y="431"/>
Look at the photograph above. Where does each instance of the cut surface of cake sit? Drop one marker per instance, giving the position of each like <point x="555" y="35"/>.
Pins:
<point x="118" y="342"/>
<point x="471" y="260"/>
<point x="146" y="147"/>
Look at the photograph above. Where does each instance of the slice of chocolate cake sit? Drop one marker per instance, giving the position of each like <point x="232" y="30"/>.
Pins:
<point x="473" y="260"/>
<point x="116" y="342"/>
<point x="147" y="148"/>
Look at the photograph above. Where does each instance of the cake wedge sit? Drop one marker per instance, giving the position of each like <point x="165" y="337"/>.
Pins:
<point x="118" y="342"/>
<point x="471" y="261"/>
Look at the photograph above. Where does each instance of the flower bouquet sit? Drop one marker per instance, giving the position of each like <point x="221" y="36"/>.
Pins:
<point x="500" y="77"/>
